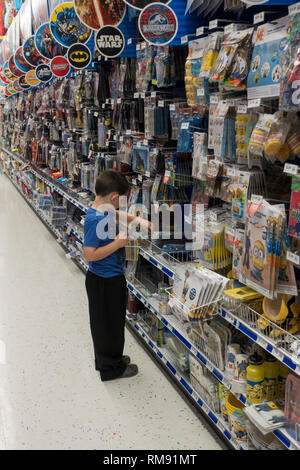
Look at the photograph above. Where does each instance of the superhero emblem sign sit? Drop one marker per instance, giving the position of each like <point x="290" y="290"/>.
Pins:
<point x="31" y="54"/>
<point x="45" y="43"/>
<point x="158" y="24"/>
<point x="79" y="56"/>
<point x="66" y="27"/>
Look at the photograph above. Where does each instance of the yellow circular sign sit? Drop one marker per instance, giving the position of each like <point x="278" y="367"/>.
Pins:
<point x="31" y="79"/>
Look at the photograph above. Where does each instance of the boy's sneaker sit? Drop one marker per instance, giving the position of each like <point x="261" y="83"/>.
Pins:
<point x="126" y="359"/>
<point x="130" y="371"/>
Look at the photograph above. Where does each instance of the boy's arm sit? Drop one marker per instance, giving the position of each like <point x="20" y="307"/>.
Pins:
<point x="96" y="254"/>
<point x="126" y="219"/>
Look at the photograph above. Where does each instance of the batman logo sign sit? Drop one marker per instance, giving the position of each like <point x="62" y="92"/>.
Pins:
<point x="79" y="56"/>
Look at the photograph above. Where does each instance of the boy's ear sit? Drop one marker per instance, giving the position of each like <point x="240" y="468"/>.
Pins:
<point x="114" y="196"/>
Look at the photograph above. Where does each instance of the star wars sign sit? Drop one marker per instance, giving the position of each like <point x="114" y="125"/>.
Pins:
<point x="110" y="41"/>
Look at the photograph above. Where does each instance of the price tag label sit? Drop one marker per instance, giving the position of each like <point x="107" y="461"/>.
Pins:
<point x="143" y="45"/>
<point x="259" y="18"/>
<point x="172" y="107"/>
<point x="145" y="142"/>
<point x="153" y="94"/>
<point x="119" y="100"/>
<point x="293" y="257"/>
<point x="128" y="132"/>
<point x="242" y="109"/>
<point x="200" y="31"/>
<point x="140" y="177"/>
<point x="121" y="138"/>
<point x="161" y="104"/>
<point x="184" y="39"/>
<point x="139" y="144"/>
<point x="230" y="28"/>
<point x="134" y="181"/>
<point x="138" y="47"/>
<point x="167" y="173"/>
<point x="103" y="106"/>
<point x="262" y="342"/>
<point x="214" y="99"/>
<point x="96" y="114"/>
<point x="291" y="169"/>
<point x="201" y="92"/>
<point x="293" y="9"/>
<point x="147" y="173"/>
<point x="254" y="103"/>
<point x="129" y="41"/>
<point x="221" y="426"/>
<point x="213" y="24"/>
<point x="279" y="354"/>
<point x="107" y="101"/>
<point x="256" y="199"/>
<point x="230" y="172"/>
<point x="143" y="95"/>
<point x="185" y="125"/>
<point x="69" y="229"/>
<point x="136" y="95"/>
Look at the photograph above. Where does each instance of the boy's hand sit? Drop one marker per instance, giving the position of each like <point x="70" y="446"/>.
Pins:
<point x="145" y="225"/>
<point x="122" y="239"/>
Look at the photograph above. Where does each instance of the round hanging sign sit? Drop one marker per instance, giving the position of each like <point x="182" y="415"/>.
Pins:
<point x="12" y="67"/>
<point x="31" y="78"/>
<point x="79" y="56"/>
<point x="66" y="27"/>
<point x="97" y="13"/>
<point x="59" y="66"/>
<point x="20" y="61"/>
<point x="23" y="84"/>
<point x="31" y="54"/>
<point x="45" y="43"/>
<point x="158" y="24"/>
<point x="43" y="73"/>
<point x="110" y="41"/>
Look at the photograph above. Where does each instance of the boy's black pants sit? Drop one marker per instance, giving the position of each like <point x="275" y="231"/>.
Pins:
<point x="107" y="307"/>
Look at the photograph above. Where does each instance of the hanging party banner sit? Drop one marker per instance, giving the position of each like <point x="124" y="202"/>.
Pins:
<point x="13" y="68"/>
<point x="20" y="61"/>
<point x="66" y="27"/>
<point x="40" y="13"/>
<point x="25" y="21"/>
<point x="98" y="13"/>
<point x="45" y="43"/>
<point x="31" y="54"/>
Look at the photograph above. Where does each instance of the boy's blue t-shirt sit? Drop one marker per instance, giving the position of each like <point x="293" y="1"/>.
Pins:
<point x="111" y="266"/>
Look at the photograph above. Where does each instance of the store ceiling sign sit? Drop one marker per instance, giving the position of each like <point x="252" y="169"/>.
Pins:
<point x="31" y="54"/>
<point x="79" y="56"/>
<point x="66" y="27"/>
<point x="98" y="13"/>
<point x="12" y="67"/>
<point x="60" y="66"/>
<point x="23" y="84"/>
<point x="31" y="78"/>
<point x="10" y="76"/>
<point x="20" y="61"/>
<point x="3" y="78"/>
<point x="110" y="41"/>
<point x="45" y="43"/>
<point x="158" y="24"/>
<point x="43" y="73"/>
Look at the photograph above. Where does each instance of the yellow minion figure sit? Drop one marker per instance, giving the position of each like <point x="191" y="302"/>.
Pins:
<point x="239" y="430"/>
<point x="256" y="77"/>
<point x="258" y="260"/>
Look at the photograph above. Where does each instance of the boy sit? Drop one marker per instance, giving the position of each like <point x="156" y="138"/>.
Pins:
<point x="105" y="280"/>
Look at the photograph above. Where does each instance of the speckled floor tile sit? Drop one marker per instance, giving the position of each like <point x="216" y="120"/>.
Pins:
<point x="50" y="395"/>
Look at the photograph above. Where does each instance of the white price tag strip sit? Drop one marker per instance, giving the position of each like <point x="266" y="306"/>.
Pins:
<point x="259" y="18"/>
<point x="293" y="257"/>
<point x="254" y="103"/>
<point x="242" y="109"/>
<point x="184" y="39"/>
<point x="201" y="92"/>
<point x="213" y="24"/>
<point x="172" y="107"/>
<point x="161" y="104"/>
<point x="291" y="169"/>
<point x="293" y="9"/>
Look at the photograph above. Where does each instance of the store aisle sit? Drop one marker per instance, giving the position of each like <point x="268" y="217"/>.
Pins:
<point x="50" y="395"/>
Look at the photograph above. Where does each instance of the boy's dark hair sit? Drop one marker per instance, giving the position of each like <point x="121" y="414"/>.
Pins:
<point x="111" y="181"/>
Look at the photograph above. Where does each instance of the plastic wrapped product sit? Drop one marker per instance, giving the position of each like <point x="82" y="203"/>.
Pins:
<point x="260" y="134"/>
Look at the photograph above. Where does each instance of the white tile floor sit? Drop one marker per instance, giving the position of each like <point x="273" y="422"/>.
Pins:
<point x="50" y="395"/>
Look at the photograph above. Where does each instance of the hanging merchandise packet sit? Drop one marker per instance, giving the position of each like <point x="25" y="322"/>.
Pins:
<point x="266" y="64"/>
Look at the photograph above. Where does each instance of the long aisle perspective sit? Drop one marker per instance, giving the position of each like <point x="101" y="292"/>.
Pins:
<point x="50" y="395"/>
